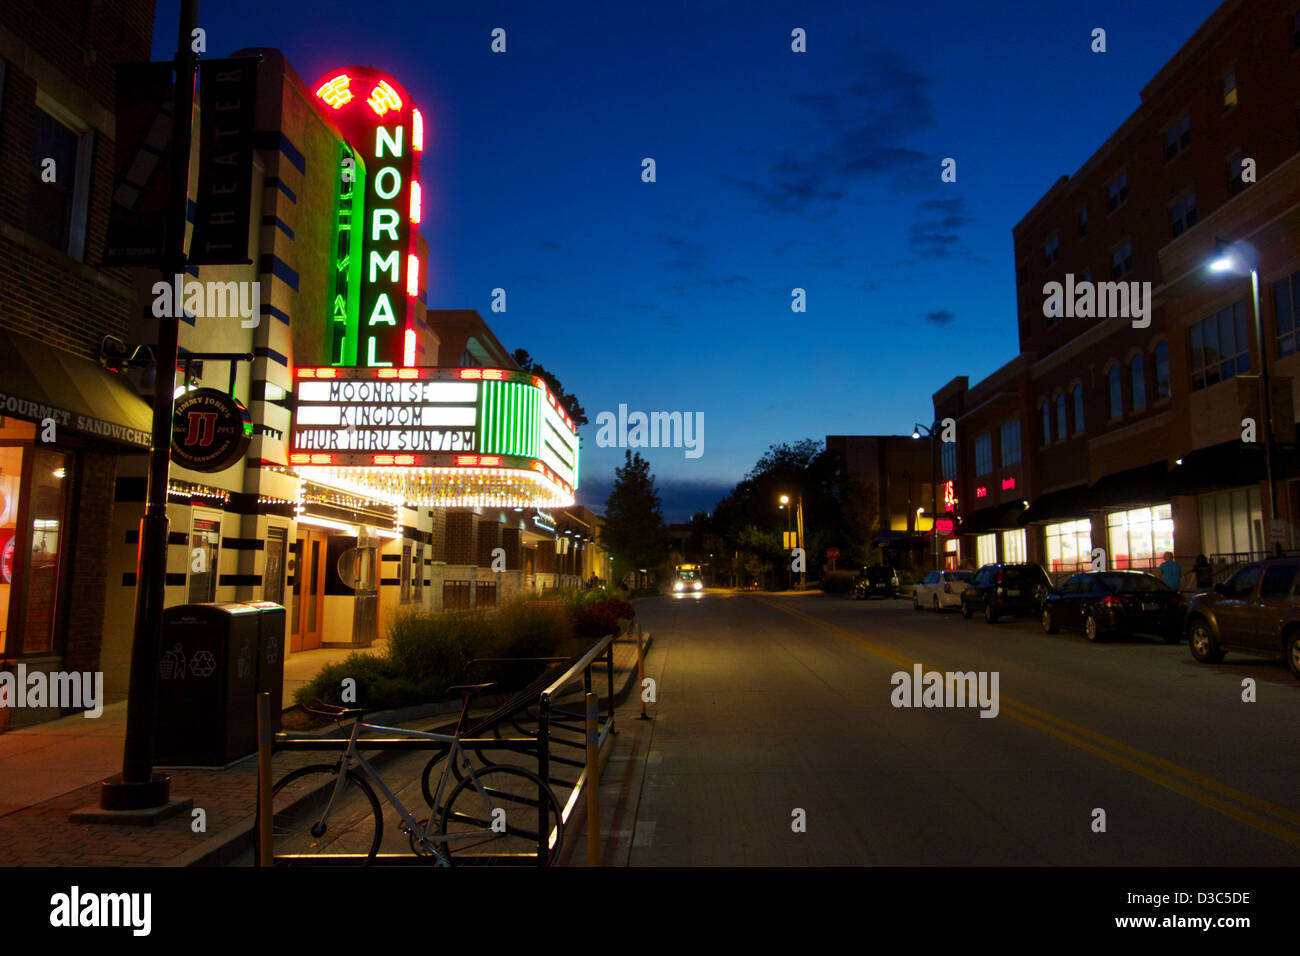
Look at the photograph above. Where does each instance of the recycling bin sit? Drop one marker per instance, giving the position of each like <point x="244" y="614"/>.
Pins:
<point x="207" y="685"/>
<point x="270" y="654"/>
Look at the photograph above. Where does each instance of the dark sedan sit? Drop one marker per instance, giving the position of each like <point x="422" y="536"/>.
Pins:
<point x="1102" y="603"/>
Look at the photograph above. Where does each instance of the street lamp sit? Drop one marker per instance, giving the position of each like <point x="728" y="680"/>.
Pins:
<point x="1240" y="258"/>
<point x="785" y="503"/>
<point x="917" y="428"/>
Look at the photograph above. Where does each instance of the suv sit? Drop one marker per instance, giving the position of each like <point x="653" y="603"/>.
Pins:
<point x="1000" y="589"/>
<point x="878" y="579"/>
<point x="1257" y="611"/>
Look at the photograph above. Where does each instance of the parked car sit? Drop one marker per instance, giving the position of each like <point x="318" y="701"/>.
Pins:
<point x="1102" y="603"/>
<point x="1257" y="611"/>
<point x="1002" y="589"/>
<point x="940" y="589"/>
<point x="878" y="579"/>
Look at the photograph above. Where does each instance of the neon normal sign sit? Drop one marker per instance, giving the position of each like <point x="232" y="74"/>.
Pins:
<point x="377" y="268"/>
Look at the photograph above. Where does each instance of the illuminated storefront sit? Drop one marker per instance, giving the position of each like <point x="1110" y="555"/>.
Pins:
<point x="1140" y="536"/>
<point x="1068" y="545"/>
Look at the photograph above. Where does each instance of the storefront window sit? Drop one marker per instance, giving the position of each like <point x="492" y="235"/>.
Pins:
<point x="205" y="542"/>
<point x="33" y="535"/>
<point x="1232" y="525"/>
<point x="1013" y="546"/>
<point x="1068" y="545"/>
<point x="951" y="554"/>
<point x="986" y="549"/>
<point x="1139" y="538"/>
<point x="273" y="572"/>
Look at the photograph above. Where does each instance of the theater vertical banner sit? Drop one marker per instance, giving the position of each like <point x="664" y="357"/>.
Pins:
<point x="377" y="118"/>
<point x="227" y="113"/>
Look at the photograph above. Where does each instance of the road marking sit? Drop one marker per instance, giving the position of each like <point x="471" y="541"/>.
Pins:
<point x="1277" y="821"/>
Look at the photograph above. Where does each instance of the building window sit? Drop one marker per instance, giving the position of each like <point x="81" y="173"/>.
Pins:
<point x="1138" y="381"/>
<point x="417" y="569"/>
<point x="1117" y="193"/>
<point x="983" y="454"/>
<point x="1051" y="250"/>
<point x="1010" y="442"/>
<point x="1182" y="215"/>
<point x="1116" y="388"/>
<point x="1083" y="221"/>
<point x="405" y="574"/>
<point x="277" y="543"/>
<point x="1013" y="546"/>
<point x="1061" y="431"/>
<point x="1235" y="183"/>
<point x="1139" y="538"/>
<point x="1162" y="371"/>
<point x="1078" y="409"/>
<point x="205" y="545"/>
<point x="1218" y="348"/>
<point x="986" y="549"/>
<point x="1069" y="545"/>
<point x="1046" y="409"/>
<point x="1177" y="137"/>
<point x="1121" y="261"/>
<point x="948" y="460"/>
<point x="1232" y="526"/>
<point x="1230" y="90"/>
<point x="1285" y="294"/>
<point x="56" y="210"/>
<point x="34" y="506"/>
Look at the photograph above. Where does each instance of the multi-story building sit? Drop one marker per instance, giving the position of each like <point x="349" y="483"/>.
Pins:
<point x="895" y="474"/>
<point x="65" y="421"/>
<point x="1133" y="427"/>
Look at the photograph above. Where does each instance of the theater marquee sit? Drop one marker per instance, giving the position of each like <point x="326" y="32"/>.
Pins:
<point x="445" y="437"/>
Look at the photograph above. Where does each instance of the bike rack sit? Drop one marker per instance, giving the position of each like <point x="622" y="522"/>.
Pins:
<point x="550" y="718"/>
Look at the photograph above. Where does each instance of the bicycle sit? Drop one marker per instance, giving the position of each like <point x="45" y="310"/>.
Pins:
<point x="315" y="817"/>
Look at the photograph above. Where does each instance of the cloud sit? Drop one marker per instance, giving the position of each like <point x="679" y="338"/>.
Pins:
<point x="936" y="232"/>
<point x="857" y="132"/>
<point x="680" y="497"/>
<point x="940" y="317"/>
<point x="550" y="245"/>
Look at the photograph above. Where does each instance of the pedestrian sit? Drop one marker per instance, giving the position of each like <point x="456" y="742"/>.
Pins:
<point x="1204" y="573"/>
<point x="1170" y="571"/>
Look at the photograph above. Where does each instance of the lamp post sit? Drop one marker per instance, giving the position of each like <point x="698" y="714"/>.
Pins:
<point x="785" y="506"/>
<point x="917" y="428"/>
<point x="1240" y="258"/>
<point x="799" y="542"/>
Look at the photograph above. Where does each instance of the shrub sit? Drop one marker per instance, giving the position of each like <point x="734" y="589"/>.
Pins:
<point x="838" y="582"/>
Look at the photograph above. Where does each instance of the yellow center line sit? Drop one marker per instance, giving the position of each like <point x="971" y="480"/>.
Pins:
<point x="1284" y="825"/>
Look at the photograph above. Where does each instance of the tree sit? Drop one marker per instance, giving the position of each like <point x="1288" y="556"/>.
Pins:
<point x="570" y="402"/>
<point x="634" y="532"/>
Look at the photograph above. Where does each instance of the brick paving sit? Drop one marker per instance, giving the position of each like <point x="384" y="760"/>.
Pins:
<point x="41" y="834"/>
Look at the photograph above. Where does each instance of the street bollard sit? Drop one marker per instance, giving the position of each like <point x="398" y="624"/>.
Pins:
<point x="640" y="672"/>
<point x="593" y="780"/>
<point x="264" y="812"/>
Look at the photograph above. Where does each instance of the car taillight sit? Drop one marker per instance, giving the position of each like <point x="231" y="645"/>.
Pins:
<point x="1111" y="600"/>
<point x="999" y="575"/>
<point x="947" y="588"/>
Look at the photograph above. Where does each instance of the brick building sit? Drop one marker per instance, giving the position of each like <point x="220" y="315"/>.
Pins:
<point x="895" y="472"/>
<point x="1126" y="433"/>
<point x="65" y="422"/>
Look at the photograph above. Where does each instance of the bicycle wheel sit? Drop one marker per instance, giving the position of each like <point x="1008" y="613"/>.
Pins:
<point x="515" y="795"/>
<point x="354" y="825"/>
<point x="432" y="770"/>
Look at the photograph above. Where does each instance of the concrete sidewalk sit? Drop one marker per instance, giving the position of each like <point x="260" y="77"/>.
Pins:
<point x="53" y="769"/>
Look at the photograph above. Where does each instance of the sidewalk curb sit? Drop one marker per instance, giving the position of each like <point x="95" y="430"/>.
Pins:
<point x="238" y="838"/>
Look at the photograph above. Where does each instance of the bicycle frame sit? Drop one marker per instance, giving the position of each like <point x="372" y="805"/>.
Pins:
<point x="423" y="833"/>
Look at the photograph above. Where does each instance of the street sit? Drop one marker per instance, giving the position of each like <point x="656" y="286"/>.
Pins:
<point x="769" y="704"/>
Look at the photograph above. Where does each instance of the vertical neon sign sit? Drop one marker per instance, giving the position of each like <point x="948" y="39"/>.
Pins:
<point x="376" y="117"/>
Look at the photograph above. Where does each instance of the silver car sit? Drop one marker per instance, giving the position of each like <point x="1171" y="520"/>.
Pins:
<point x="940" y="589"/>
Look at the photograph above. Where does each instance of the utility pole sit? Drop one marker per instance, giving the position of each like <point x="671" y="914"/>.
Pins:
<point x="139" y="786"/>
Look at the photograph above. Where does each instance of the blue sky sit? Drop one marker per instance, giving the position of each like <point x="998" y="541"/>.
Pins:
<point x="775" y="170"/>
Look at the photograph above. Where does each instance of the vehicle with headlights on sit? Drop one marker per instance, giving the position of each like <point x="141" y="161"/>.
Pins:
<point x="687" y="579"/>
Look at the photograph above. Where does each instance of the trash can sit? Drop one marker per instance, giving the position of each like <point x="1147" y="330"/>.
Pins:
<point x="207" y="680"/>
<point x="270" y="655"/>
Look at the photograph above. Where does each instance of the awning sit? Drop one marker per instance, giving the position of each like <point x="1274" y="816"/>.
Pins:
<point x="1227" y="465"/>
<point x="978" y="522"/>
<point x="38" y="382"/>
<point x="1067" y="503"/>
<point x="1145" y="485"/>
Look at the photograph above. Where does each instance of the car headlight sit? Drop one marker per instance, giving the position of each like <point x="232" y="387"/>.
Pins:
<point x="699" y="585"/>
<point x="677" y="586"/>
